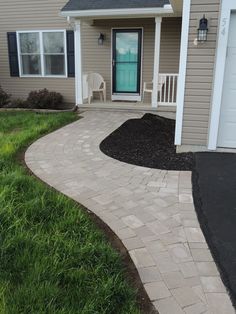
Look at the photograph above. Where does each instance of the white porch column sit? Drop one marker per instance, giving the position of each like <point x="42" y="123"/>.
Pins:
<point x="182" y="71"/>
<point x="158" y="21"/>
<point x="78" y="64"/>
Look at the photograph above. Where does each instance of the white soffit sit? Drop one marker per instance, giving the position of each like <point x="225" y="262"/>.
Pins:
<point x="177" y="6"/>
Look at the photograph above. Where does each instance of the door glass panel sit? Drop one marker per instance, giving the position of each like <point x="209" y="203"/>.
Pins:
<point x="127" y="47"/>
<point x="127" y="62"/>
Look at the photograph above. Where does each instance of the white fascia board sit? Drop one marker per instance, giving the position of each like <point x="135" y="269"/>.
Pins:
<point x="147" y="12"/>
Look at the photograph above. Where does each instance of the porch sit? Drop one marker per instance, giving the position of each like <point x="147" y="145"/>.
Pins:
<point x="126" y="65"/>
<point x="97" y="105"/>
<point x="166" y="96"/>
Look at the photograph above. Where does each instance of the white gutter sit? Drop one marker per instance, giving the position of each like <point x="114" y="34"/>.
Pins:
<point x="147" y="12"/>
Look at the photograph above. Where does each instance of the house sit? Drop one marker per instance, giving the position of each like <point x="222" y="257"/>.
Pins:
<point x="186" y="49"/>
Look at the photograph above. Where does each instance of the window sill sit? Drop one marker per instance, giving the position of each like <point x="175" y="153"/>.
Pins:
<point x="46" y="76"/>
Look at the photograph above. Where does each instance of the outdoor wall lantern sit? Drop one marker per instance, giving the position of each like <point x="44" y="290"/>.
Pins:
<point x="101" y="39"/>
<point x="202" y="30"/>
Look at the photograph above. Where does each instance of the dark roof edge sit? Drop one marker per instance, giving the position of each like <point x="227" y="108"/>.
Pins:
<point x="75" y="5"/>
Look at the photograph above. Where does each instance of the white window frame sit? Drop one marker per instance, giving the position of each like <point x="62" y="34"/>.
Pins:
<point x="41" y="53"/>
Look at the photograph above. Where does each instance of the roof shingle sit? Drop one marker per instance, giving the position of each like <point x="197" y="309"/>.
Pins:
<point x="78" y="5"/>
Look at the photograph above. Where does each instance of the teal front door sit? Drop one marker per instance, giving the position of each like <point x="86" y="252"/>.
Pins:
<point x="126" y="62"/>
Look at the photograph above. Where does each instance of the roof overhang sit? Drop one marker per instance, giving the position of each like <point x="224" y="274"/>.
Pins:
<point x="177" y="6"/>
<point x="119" y="13"/>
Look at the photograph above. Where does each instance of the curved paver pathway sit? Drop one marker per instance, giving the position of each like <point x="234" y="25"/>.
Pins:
<point x="150" y="210"/>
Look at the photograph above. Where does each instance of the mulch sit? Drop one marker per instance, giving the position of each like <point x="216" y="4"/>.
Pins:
<point x="147" y="142"/>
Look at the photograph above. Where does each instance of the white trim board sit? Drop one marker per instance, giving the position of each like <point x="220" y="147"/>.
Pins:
<point x="227" y="7"/>
<point x="156" y="63"/>
<point x="143" y="12"/>
<point x="78" y="64"/>
<point x="182" y="71"/>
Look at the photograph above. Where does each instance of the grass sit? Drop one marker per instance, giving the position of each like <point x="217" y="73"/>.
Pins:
<point x="53" y="259"/>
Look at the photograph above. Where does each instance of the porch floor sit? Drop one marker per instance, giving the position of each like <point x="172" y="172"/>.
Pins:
<point x="168" y="111"/>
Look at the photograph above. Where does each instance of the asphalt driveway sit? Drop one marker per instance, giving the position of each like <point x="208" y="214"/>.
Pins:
<point x="214" y="191"/>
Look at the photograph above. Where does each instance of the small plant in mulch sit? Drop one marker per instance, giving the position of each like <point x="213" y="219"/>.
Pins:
<point x="45" y="99"/>
<point x="5" y="98"/>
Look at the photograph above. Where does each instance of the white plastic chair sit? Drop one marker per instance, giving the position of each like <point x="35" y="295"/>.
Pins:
<point x="97" y="84"/>
<point x="148" y="86"/>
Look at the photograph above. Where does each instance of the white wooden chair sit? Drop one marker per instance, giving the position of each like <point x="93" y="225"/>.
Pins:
<point x="148" y="86"/>
<point x="97" y="84"/>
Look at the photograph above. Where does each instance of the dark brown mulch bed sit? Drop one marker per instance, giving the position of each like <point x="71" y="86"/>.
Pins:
<point x="147" y="142"/>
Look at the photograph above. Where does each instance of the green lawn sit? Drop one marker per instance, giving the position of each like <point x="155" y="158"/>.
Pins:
<point x="53" y="259"/>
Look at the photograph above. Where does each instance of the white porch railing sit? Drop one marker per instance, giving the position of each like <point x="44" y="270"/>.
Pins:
<point x="167" y="89"/>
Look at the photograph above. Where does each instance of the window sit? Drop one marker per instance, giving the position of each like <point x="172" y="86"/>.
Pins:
<point x="30" y="53"/>
<point x="42" y="53"/>
<point x="54" y="54"/>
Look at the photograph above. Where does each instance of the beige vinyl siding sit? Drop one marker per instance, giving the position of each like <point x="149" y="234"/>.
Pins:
<point x="44" y="14"/>
<point x="199" y="79"/>
<point x="98" y="58"/>
<point x="31" y="15"/>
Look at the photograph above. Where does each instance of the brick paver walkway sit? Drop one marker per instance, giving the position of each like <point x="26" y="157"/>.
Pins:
<point x="150" y="210"/>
